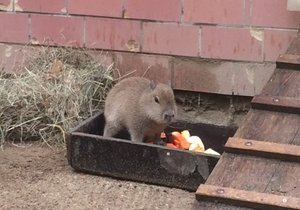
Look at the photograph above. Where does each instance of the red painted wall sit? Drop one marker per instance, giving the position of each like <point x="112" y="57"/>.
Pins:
<point x="236" y="30"/>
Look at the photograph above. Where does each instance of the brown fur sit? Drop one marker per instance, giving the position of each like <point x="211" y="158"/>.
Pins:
<point x="131" y="104"/>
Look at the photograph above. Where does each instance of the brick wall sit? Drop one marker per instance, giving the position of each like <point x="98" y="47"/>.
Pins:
<point x="174" y="38"/>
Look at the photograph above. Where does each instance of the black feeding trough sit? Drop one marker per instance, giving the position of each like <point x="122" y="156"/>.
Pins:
<point x="89" y="151"/>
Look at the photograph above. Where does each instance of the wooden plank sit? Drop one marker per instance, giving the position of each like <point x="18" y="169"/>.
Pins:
<point x="285" y="181"/>
<point x="288" y="61"/>
<point x="294" y="47"/>
<point x="283" y="152"/>
<point x="277" y="127"/>
<point x="296" y="140"/>
<point x="243" y="172"/>
<point x="247" y="198"/>
<point x="205" y="205"/>
<point x="276" y="103"/>
<point x="258" y="174"/>
<point x="284" y="82"/>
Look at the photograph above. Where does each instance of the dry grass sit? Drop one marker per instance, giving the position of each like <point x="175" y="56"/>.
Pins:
<point x="58" y="88"/>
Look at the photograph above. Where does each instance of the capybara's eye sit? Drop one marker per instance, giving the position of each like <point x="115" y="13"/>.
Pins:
<point x="156" y="99"/>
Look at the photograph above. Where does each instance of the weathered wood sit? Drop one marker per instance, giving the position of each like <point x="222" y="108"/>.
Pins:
<point x="277" y="103"/>
<point x="243" y="172"/>
<point x="294" y="47"/>
<point x="249" y="174"/>
<point x="89" y="151"/>
<point x="244" y="198"/>
<point x="266" y="149"/>
<point x="277" y="127"/>
<point x="288" y="61"/>
<point x="285" y="181"/>
<point x="207" y="205"/>
<point x="284" y="82"/>
<point x="139" y="161"/>
<point x="257" y="173"/>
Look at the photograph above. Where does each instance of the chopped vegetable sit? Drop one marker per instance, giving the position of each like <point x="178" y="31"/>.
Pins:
<point x="186" y="134"/>
<point x="196" y="147"/>
<point x="171" y="145"/>
<point x="197" y="140"/>
<point x="184" y="140"/>
<point x="211" y="151"/>
<point x="179" y="141"/>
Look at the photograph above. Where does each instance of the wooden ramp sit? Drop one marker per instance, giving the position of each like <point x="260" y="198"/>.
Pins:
<point x="260" y="168"/>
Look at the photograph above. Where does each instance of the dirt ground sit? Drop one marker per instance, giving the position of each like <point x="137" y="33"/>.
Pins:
<point x="33" y="176"/>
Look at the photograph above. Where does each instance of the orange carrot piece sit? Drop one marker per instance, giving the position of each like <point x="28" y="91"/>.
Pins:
<point x="171" y="145"/>
<point x="184" y="144"/>
<point x="179" y="140"/>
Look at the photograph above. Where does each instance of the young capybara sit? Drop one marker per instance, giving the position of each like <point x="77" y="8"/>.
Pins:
<point x="141" y="106"/>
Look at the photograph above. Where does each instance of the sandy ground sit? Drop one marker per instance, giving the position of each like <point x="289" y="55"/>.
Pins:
<point x="33" y="176"/>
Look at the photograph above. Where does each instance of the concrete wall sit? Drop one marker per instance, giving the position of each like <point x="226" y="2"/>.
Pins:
<point x="175" y="40"/>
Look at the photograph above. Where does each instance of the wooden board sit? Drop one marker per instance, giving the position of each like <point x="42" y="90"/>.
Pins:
<point x="89" y="151"/>
<point x="263" y="149"/>
<point x="288" y="61"/>
<point x="277" y="104"/>
<point x="285" y="180"/>
<point x="258" y="172"/>
<point x="276" y="127"/>
<point x="250" y="199"/>
<point x="294" y="47"/>
<point x="284" y="82"/>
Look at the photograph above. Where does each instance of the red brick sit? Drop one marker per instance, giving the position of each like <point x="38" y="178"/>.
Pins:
<point x="156" y="67"/>
<point x="214" y="11"/>
<point x="231" y="43"/>
<point x="13" y="57"/>
<point x="111" y="8"/>
<point x="277" y="42"/>
<point x="171" y="39"/>
<point x="113" y="34"/>
<point x="247" y="12"/>
<point x="14" y="28"/>
<point x="46" y="6"/>
<point x="274" y="13"/>
<point x="221" y="77"/>
<point x="6" y="5"/>
<point x="57" y="30"/>
<point x="167" y="10"/>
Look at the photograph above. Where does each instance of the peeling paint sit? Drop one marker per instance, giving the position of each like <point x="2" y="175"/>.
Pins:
<point x="293" y="5"/>
<point x="258" y="34"/>
<point x="63" y="10"/>
<point x="18" y="7"/>
<point x="133" y="45"/>
<point x="8" y="51"/>
<point x="125" y="14"/>
<point x="9" y="7"/>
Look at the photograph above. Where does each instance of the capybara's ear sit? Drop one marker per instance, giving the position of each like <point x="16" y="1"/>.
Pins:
<point x="152" y="84"/>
